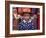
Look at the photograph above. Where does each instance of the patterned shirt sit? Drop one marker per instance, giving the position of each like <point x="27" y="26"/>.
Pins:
<point x="30" y="25"/>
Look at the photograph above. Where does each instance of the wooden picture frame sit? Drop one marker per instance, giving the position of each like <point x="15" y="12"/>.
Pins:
<point x="7" y="18"/>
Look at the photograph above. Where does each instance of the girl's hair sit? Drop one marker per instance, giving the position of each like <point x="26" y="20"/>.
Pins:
<point x="26" y="13"/>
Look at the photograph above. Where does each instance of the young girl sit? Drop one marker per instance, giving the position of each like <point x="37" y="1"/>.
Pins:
<point x="27" y="23"/>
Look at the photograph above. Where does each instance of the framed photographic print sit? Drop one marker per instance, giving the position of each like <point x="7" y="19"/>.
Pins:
<point x="24" y="18"/>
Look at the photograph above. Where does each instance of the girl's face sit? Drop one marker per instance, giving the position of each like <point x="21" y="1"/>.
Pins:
<point x="26" y="16"/>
